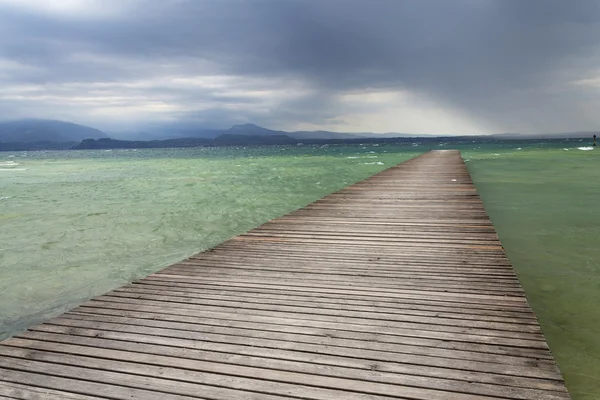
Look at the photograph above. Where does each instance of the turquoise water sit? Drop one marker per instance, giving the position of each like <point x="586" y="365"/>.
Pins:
<point x="77" y="224"/>
<point x="545" y="206"/>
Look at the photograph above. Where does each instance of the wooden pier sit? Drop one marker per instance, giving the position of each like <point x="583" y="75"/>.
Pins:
<point x="396" y="287"/>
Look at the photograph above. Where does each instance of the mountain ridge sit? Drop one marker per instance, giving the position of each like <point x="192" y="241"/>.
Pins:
<point x="46" y="130"/>
<point x="56" y="131"/>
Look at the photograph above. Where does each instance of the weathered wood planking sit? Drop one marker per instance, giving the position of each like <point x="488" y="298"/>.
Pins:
<point x="396" y="287"/>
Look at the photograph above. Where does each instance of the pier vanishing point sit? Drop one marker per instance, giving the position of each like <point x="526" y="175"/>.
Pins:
<point x="396" y="287"/>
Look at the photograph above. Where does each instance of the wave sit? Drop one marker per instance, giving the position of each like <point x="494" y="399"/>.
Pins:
<point x="8" y="163"/>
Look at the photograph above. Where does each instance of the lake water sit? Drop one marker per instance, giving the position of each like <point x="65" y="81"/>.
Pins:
<point x="76" y="224"/>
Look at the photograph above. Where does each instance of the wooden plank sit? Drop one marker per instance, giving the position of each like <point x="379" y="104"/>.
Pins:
<point x="453" y="274"/>
<point x="37" y="378"/>
<point x="183" y="301"/>
<point x="394" y="287"/>
<point x="10" y="390"/>
<point x="297" y="373"/>
<point x="334" y="304"/>
<point x="231" y="333"/>
<point x="396" y="302"/>
<point x="428" y="326"/>
<point x="225" y="315"/>
<point x="473" y="287"/>
<point x="507" y="301"/>
<point x="271" y="349"/>
<point x="302" y="333"/>
<point x="190" y="383"/>
<point x="286" y="360"/>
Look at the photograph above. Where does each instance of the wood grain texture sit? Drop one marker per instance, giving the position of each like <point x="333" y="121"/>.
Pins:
<point x="396" y="287"/>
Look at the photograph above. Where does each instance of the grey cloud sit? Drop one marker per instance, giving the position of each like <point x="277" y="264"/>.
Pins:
<point x="507" y="63"/>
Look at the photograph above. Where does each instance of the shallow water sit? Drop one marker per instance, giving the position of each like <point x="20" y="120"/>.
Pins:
<point x="77" y="224"/>
<point x="545" y="206"/>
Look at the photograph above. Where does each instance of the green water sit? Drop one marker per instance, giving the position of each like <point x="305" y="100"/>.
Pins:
<point x="545" y="205"/>
<point x="77" y="224"/>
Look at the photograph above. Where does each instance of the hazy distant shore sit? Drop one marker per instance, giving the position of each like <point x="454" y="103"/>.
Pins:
<point x="245" y="140"/>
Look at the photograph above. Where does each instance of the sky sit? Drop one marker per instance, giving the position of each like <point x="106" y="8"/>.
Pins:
<point x="410" y="66"/>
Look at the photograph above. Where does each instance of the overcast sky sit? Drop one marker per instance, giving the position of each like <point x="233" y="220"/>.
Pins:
<point x="415" y="66"/>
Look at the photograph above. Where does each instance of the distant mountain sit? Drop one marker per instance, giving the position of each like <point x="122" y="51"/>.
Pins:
<point x="198" y="133"/>
<point x="322" y="135"/>
<point x="133" y="135"/>
<point x="53" y="131"/>
<point x="44" y="133"/>
<point x="255" y="130"/>
<point x="46" y="130"/>
<point x="252" y="130"/>
<point x="166" y="133"/>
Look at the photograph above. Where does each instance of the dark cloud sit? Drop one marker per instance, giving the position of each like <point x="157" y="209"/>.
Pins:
<point x="474" y="64"/>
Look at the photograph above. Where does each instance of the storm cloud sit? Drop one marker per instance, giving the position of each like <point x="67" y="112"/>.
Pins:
<point x="418" y="66"/>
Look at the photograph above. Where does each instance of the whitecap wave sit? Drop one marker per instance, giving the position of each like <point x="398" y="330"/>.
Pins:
<point x="585" y="148"/>
<point x="352" y="157"/>
<point x="13" y="169"/>
<point x="4" y="197"/>
<point x="8" y="163"/>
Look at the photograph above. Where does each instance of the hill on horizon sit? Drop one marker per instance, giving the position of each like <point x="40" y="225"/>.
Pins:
<point x="46" y="130"/>
<point x="56" y="131"/>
